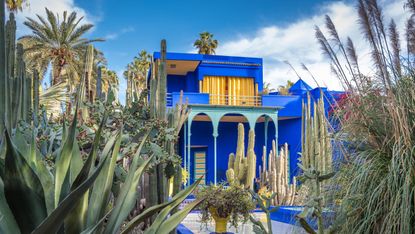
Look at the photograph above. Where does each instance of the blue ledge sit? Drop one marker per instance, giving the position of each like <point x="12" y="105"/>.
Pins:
<point x="286" y="214"/>
<point x="181" y="229"/>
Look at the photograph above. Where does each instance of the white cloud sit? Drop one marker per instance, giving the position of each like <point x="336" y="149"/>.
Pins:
<point x="296" y="43"/>
<point x="115" y="35"/>
<point x="37" y="7"/>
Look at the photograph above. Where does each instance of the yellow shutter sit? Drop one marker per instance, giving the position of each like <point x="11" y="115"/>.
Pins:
<point x="229" y="90"/>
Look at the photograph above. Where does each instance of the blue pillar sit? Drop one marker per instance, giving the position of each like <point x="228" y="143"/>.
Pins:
<point x="215" y="157"/>
<point x="189" y="134"/>
<point x="185" y="145"/>
<point x="266" y="132"/>
<point x="215" y="117"/>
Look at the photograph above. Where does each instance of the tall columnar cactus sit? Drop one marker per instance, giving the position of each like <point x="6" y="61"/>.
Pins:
<point x="316" y="161"/>
<point x="162" y="82"/>
<point x="2" y="65"/>
<point x="35" y="95"/>
<point x="158" y="88"/>
<point x="86" y="92"/>
<point x="16" y="98"/>
<point x="89" y="62"/>
<point x="99" y="83"/>
<point x="275" y="175"/>
<point x="241" y="169"/>
<point x="316" y="143"/>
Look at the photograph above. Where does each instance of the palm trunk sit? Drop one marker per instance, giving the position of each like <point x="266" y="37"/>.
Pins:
<point x="56" y="72"/>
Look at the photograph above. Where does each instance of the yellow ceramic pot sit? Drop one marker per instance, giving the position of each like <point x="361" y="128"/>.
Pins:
<point x="220" y="223"/>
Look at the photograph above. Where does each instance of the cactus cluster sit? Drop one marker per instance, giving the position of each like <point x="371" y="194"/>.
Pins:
<point x="174" y="119"/>
<point x="16" y="95"/>
<point x="241" y="169"/>
<point x="274" y="175"/>
<point x="316" y="161"/>
<point x="315" y="141"/>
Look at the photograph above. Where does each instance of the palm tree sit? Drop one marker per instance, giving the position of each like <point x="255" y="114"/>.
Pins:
<point x="206" y="44"/>
<point x="266" y="88"/>
<point x="56" y="41"/>
<point x="285" y="89"/>
<point x="136" y="75"/>
<point x="15" y="5"/>
<point x="109" y="79"/>
<point x="140" y="66"/>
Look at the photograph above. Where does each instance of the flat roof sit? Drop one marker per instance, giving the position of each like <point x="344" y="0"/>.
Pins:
<point x="209" y="58"/>
<point x="230" y="107"/>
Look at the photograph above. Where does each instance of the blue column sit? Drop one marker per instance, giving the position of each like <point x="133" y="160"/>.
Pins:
<point x="215" y="157"/>
<point x="266" y="132"/>
<point x="215" y="118"/>
<point x="185" y="146"/>
<point x="189" y="134"/>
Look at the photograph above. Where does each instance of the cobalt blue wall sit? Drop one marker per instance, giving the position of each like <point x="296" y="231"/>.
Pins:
<point x="291" y="104"/>
<point x="214" y="65"/>
<point x="226" y="144"/>
<point x="191" y="98"/>
<point x="175" y="83"/>
<point x="231" y="70"/>
<point x="289" y="131"/>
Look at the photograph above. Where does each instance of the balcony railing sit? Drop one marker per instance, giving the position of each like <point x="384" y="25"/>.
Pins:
<point x="213" y="99"/>
<point x="235" y="100"/>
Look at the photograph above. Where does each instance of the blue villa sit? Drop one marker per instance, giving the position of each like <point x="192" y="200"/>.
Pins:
<point x="223" y="91"/>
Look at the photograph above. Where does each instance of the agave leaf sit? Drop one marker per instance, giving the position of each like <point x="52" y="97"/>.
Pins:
<point x="45" y="177"/>
<point x="23" y="190"/>
<point x="97" y="225"/>
<point x="75" y="166"/>
<point x="21" y="145"/>
<point x="165" y="212"/>
<point x="101" y="191"/>
<point x="75" y="221"/>
<point x="177" y="199"/>
<point x="175" y="219"/>
<point x="34" y="159"/>
<point x="64" y="158"/>
<point x="7" y="222"/>
<point x="54" y="221"/>
<point x="126" y="199"/>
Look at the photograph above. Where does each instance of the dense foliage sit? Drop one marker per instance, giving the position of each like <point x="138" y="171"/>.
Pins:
<point x="234" y="202"/>
<point x="376" y="181"/>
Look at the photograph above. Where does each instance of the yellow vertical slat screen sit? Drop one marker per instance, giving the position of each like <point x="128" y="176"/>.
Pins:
<point x="229" y="90"/>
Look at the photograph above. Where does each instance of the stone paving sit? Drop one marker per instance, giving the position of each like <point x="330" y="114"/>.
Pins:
<point x="192" y="222"/>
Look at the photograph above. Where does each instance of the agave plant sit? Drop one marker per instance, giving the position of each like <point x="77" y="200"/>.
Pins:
<point x="75" y="196"/>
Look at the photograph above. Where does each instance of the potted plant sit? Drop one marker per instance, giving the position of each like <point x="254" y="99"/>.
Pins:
<point x="224" y="205"/>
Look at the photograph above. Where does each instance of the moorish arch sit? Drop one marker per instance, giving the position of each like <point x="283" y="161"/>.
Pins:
<point x="266" y="119"/>
<point x="215" y="114"/>
<point x="187" y="135"/>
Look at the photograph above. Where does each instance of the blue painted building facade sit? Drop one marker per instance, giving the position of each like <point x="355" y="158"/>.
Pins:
<point x="223" y="91"/>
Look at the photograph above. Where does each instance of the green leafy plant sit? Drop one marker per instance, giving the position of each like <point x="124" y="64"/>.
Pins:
<point x="233" y="202"/>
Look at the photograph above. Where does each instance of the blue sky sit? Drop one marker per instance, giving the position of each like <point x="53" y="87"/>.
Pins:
<point x="275" y="30"/>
